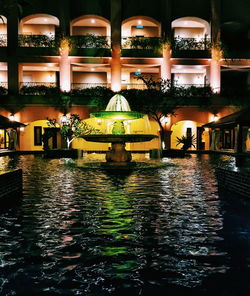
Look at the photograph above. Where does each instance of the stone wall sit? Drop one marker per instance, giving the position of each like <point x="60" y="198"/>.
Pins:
<point x="10" y="186"/>
<point x="236" y="182"/>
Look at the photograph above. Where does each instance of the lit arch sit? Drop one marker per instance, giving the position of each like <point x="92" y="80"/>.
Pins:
<point x="90" y="20"/>
<point x="145" y="21"/>
<point x="192" y="22"/>
<point x="38" y="19"/>
<point x="180" y="129"/>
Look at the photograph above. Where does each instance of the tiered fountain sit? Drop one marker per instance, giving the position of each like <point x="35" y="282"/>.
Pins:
<point x="118" y="110"/>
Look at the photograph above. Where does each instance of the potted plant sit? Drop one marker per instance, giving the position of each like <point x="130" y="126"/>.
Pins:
<point x="186" y="141"/>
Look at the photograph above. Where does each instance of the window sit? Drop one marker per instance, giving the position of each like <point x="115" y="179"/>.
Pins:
<point x="37" y="135"/>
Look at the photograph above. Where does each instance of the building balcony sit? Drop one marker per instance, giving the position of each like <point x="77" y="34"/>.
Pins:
<point x="191" y="47"/>
<point x="142" y="46"/>
<point x="75" y="86"/>
<point x="38" y="88"/>
<point x="134" y="86"/>
<point x="90" y="41"/>
<point x="3" y="40"/>
<point x="36" y="41"/>
<point x="90" y="45"/>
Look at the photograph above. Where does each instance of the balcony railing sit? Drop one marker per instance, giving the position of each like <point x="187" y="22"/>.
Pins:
<point x="38" y="88"/>
<point x="134" y="86"/>
<point x="36" y="41"/>
<point x="89" y="85"/>
<point x="3" y="40"/>
<point x="141" y="43"/>
<point x="190" y="85"/>
<point x="191" y="44"/>
<point x="90" y="41"/>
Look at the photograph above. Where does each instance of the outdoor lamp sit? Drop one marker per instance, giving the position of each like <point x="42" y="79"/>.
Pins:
<point x="64" y="119"/>
<point x="12" y="117"/>
<point x="215" y="117"/>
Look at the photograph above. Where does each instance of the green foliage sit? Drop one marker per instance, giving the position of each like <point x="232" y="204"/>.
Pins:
<point x="190" y="44"/>
<point x="73" y="128"/>
<point x="39" y="90"/>
<point x="89" y="41"/>
<point x="99" y="96"/>
<point x="143" y="43"/>
<point x="62" y="102"/>
<point x="186" y="141"/>
<point x="36" y="41"/>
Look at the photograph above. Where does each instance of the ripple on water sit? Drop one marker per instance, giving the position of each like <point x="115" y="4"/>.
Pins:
<point x="90" y="232"/>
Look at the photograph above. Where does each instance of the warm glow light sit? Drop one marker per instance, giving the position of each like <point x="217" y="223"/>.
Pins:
<point x="11" y="117"/>
<point x="21" y="129"/>
<point x="45" y="20"/>
<point x="92" y="21"/>
<point x="138" y="70"/>
<point x="215" y="117"/>
<point x="64" y="119"/>
<point x="92" y="69"/>
<point x="139" y="22"/>
<point x="165" y="120"/>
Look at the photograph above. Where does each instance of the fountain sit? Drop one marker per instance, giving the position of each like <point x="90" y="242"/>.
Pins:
<point x="118" y="110"/>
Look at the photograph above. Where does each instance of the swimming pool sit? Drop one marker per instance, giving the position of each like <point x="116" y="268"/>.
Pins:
<point x="81" y="231"/>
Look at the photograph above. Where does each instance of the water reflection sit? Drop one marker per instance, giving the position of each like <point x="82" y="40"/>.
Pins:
<point x="90" y="232"/>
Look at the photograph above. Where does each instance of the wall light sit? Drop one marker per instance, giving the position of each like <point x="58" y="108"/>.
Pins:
<point x="64" y="119"/>
<point x="215" y="117"/>
<point x="12" y="117"/>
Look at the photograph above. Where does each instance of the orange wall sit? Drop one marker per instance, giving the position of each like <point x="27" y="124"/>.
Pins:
<point x="36" y="29"/>
<point x="82" y="30"/>
<point x="89" y="77"/>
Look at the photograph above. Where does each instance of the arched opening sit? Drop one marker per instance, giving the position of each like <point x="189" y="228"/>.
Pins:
<point x="141" y="26"/>
<point x="191" y="33"/>
<point x="90" y="25"/>
<point x="39" y="24"/>
<point x="186" y="128"/>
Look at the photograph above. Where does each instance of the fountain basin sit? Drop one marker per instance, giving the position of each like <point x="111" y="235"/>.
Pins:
<point x="117" y="115"/>
<point x="127" y="138"/>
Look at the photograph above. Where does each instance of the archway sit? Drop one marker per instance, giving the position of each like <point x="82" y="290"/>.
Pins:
<point x="39" y="24"/>
<point x="90" y="24"/>
<point x="141" y="26"/>
<point x="190" y="128"/>
<point x="191" y="27"/>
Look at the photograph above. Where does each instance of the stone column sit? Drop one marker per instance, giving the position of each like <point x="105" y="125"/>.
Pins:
<point x="239" y="139"/>
<point x="115" y="64"/>
<point x="166" y="63"/>
<point x="166" y="34"/>
<point x="216" y="53"/>
<point x="65" y="67"/>
<point x="12" y="35"/>
<point x="167" y="139"/>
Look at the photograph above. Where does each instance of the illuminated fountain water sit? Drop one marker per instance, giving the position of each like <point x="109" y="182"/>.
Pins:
<point x="118" y="111"/>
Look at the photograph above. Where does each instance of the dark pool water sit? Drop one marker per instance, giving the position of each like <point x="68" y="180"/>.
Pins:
<point x="163" y="231"/>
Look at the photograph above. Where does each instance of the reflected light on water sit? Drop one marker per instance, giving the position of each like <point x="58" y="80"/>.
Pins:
<point x="93" y="232"/>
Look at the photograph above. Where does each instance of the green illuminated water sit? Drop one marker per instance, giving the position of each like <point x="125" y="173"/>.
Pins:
<point x="141" y="232"/>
